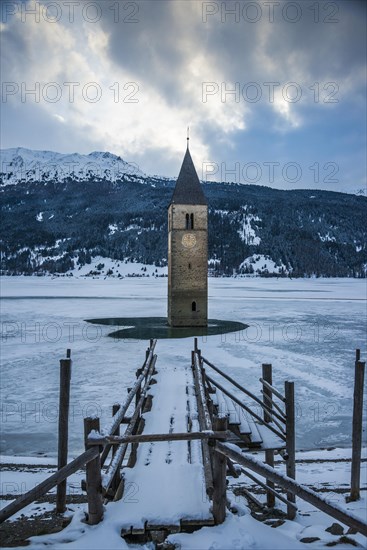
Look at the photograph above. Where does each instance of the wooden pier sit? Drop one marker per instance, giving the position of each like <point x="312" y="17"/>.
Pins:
<point x="165" y="455"/>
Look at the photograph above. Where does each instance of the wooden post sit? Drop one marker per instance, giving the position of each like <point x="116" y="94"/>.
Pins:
<point x="64" y="400"/>
<point x="219" y="476"/>
<point x="93" y="477"/>
<point x="357" y="428"/>
<point x="195" y="344"/>
<point x="115" y="407"/>
<point x="267" y="375"/>
<point x="290" y="441"/>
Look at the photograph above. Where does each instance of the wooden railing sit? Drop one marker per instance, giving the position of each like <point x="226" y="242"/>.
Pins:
<point x="285" y="430"/>
<point x="92" y="457"/>
<point x="113" y="446"/>
<point x="48" y="484"/>
<point x="280" y="421"/>
<point x="290" y="485"/>
<point x="213" y="433"/>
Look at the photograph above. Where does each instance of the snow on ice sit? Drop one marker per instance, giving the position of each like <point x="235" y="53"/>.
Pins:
<point x="308" y="329"/>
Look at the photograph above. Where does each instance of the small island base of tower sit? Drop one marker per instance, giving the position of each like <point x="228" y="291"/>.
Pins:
<point x="187" y="322"/>
<point x="144" y="328"/>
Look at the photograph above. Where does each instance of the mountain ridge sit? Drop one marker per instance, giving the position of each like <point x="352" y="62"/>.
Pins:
<point x="21" y="164"/>
<point x="56" y="223"/>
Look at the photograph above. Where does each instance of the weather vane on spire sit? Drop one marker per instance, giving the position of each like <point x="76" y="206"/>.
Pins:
<point x="188" y="136"/>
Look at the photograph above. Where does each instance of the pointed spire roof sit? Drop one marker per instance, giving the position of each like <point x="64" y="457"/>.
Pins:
<point x="188" y="189"/>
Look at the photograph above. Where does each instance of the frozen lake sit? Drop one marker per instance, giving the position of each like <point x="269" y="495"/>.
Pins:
<point x="307" y="328"/>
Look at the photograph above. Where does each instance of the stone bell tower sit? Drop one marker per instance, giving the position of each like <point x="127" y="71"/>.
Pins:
<point x="188" y="250"/>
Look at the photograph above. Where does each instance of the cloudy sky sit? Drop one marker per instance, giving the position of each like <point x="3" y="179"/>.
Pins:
<point x="273" y="91"/>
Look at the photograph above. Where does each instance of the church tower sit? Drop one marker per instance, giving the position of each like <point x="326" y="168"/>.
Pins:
<point x="188" y="250"/>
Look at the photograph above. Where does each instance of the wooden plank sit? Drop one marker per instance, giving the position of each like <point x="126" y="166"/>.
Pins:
<point x="267" y="487"/>
<point x="171" y="528"/>
<point x="234" y="415"/>
<point x="267" y="371"/>
<point x="357" y="428"/>
<point x="196" y="523"/>
<point x="119" y="455"/>
<point x="269" y="440"/>
<point x="275" y="405"/>
<point x="295" y="488"/>
<point x="291" y="440"/>
<point x="106" y="450"/>
<point x="205" y="422"/>
<point x="200" y="393"/>
<point x="227" y="407"/>
<point x="117" y="477"/>
<point x="48" y="484"/>
<point x="147" y="438"/>
<point x="245" y="407"/>
<point x="245" y="427"/>
<point x="219" y="477"/>
<point x="255" y="436"/>
<point x="62" y="455"/>
<point x="250" y="496"/>
<point x="134" y="447"/>
<point x="277" y="424"/>
<point x="272" y="390"/>
<point x="208" y="471"/>
<point x="220" y="403"/>
<point x="236" y="384"/>
<point x="148" y="402"/>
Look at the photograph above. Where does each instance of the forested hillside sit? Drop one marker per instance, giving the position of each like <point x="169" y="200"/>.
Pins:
<point x="54" y="226"/>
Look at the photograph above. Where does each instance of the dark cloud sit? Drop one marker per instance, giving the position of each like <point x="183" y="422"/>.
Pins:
<point x="158" y="47"/>
<point x="170" y="50"/>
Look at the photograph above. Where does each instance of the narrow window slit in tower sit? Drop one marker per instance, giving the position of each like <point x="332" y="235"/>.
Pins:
<point x="193" y="306"/>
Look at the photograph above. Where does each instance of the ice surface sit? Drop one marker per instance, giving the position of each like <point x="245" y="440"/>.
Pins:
<point x="307" y="328"/>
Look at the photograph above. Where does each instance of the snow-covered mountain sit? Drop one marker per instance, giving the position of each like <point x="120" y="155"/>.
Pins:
<point x="75" y="212"/>
<point x="24" y="165"/>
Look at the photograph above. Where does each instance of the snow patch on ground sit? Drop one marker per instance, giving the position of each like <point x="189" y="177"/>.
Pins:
<point x="221" y="212"/>
<point x="112" y="228"/>
<point x="327" y="238"/>
<point x="262" y="264"/>
<point x="107" y="267"/>
<point x="247" y="232"/>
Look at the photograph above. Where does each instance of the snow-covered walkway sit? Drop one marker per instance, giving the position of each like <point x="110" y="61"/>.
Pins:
<point x="167" y="482"/>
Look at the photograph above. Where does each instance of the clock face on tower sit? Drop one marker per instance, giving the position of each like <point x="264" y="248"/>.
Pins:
<point x="189" y="240"/>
